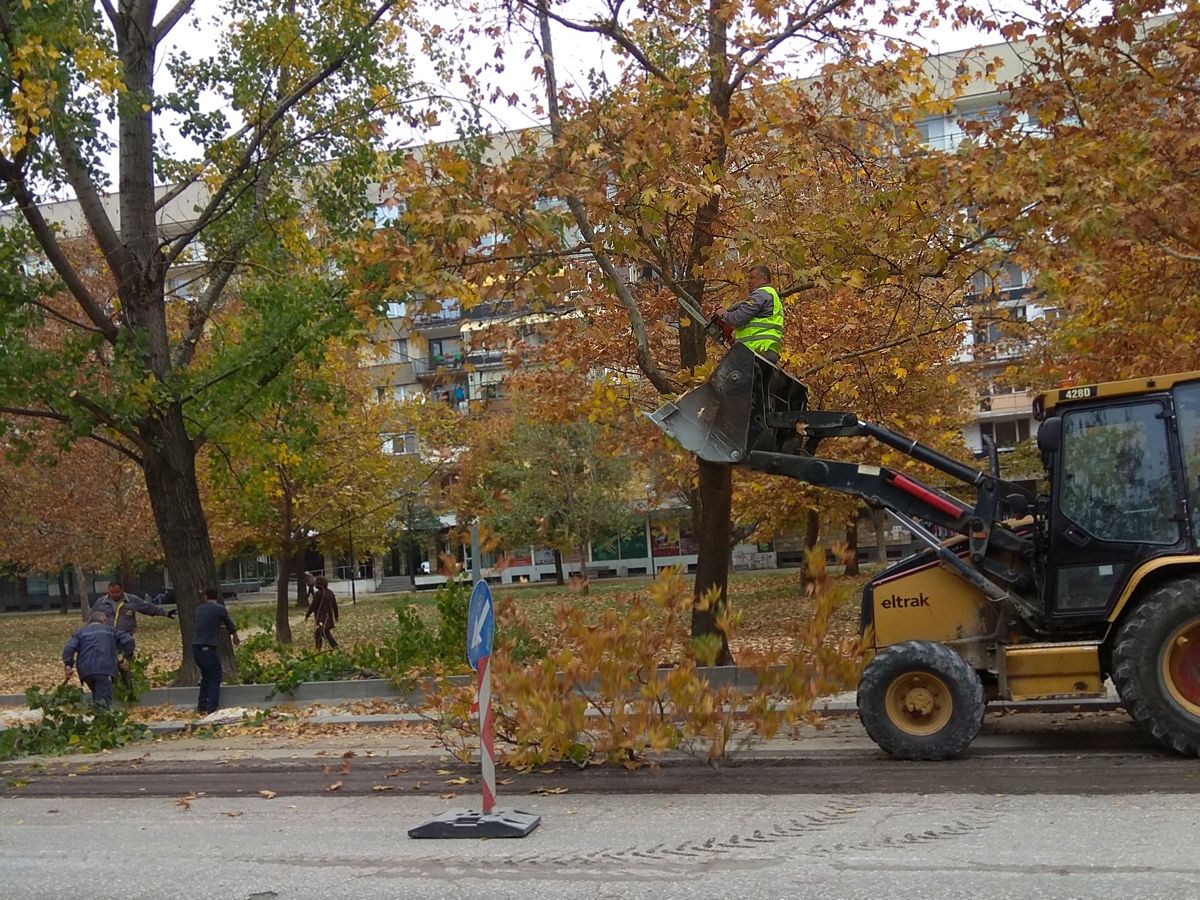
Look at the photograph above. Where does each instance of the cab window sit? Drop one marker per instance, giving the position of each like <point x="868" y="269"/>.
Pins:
<point x="1115" y="479"/>
<point x="1187" y="413"/>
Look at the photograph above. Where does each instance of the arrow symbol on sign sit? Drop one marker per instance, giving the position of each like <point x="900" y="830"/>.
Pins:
<point x="477" y="637"/>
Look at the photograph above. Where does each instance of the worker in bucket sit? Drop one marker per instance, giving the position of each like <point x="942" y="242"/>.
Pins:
<point x="757" y="321"/>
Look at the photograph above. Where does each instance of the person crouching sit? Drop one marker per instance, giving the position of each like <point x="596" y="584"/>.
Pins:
<point x="92" y="652"/>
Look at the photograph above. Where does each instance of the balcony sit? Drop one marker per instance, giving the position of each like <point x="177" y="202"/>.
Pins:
<point x="457" y="361"/>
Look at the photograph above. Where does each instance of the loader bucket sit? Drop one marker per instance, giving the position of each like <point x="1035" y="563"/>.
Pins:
<point x="724" y="419"/>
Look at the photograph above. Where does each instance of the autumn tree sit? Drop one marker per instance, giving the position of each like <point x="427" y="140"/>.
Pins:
<point x="559" y="481"/>
<point x="1090" y="172"/>
<point x="277" y="115"/>
<point x="315" y="467"/>
<point x="83" y="508"/>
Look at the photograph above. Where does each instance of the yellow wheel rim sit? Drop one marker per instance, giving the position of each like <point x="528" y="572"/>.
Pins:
<point x="1181" y="665"/>
<point x="919" y="703"/>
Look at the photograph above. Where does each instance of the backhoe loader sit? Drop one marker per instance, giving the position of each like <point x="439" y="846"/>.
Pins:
<point x="1018" y="596"/>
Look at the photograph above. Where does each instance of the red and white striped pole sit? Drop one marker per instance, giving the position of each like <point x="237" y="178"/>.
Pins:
<point x="487" y="744"/>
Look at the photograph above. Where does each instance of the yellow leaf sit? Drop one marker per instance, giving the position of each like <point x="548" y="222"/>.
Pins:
<point x="459" y="780"/>
<point x="268" y="795"/>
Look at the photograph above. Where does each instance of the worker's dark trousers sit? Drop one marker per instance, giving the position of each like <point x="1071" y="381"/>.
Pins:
<point x="208" y="660"/>
<point x="101" y="688"/>
<point x="325" y="632"/>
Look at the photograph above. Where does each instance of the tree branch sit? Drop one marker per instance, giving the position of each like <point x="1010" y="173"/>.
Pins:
<point x="793" y="28"/>
<point x="879" y="348"/>
<point x="261" y="132"/>
<point x="66" y="420"/>
<point x="170" y="20"/>
<point x="637" y="324"/>
<point x="54" y="252"/>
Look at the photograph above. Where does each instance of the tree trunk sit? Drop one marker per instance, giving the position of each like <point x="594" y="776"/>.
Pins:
<point x="852" y="543"/>
<point x="559" y="578"/>
<point x="585" y="584"/>
<point x="81" y="582"/>
<point x="125" y="570"/>
<point x="812" y="533"/>
<point x="712" y="561"/>
<point x="170" y="471"/>
<point x="64" y="596"/>
<point x="880" y="537"/>
<point x="301" y="576"/>
<point x="283" y="628"/>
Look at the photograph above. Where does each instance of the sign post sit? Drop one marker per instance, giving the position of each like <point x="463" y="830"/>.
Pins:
<point x="467" y="823"/>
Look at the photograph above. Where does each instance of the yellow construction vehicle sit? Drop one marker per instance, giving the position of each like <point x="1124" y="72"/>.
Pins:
<point x="1017" y="597"/>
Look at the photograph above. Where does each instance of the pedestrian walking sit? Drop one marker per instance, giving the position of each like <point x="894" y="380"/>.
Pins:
<point x="324" y="607"/>
<point x="210" y="616"/>
<point x="92" y="652"/>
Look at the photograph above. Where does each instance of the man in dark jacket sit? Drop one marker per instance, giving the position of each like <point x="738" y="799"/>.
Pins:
<point x="210" y="616"/>
<point x="324" y="607"/>
<point x="92" y="652"/>
<point x="120" y="609"/>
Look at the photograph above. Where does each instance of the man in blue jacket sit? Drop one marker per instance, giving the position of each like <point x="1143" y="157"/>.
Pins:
<point x="92" y="652"/>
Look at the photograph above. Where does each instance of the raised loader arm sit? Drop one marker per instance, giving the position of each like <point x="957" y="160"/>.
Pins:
<point x="752" y="413"/>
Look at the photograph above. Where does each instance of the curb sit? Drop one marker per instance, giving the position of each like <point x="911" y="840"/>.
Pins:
<point x="310" y="692"/>
<point x="831" y="709"/>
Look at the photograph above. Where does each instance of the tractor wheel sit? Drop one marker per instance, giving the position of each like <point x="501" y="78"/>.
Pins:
<point x="920" y="700"/>
<point x="1156" y="665"/>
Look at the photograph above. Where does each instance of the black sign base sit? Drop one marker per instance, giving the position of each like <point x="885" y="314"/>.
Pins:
<point x="470" y="823"/>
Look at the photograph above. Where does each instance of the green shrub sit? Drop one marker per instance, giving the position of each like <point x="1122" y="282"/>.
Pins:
<point x="139" y="682"/>
<point x="69" y="724"/>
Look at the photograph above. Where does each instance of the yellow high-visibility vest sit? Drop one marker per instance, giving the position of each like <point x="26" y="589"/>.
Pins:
<point x="765" y="333"/>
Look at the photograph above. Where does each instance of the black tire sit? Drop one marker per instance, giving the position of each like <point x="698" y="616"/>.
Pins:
<point x="1138" y="656"/>
<point x="942" y="733"/>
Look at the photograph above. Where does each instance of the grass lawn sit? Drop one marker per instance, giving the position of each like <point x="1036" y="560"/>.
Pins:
<point x="771" y="604"/>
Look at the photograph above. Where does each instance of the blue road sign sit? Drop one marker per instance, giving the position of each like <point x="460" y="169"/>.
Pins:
<point x="481" y="624"/>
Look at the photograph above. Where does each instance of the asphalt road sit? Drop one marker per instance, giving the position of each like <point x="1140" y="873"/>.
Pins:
<point x="1083" y="755"/>
<point x="1043" y="806"/>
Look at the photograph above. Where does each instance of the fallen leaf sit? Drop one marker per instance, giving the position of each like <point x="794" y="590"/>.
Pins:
<point x="449" y="795"/>
<point x="462" y="779"/>
<point x="382" y="787"/>
<point x="444" y="772"/>
<point x="395" y="772"/>
<point x="349" y="754"/>
<point x="506" y="781"/>
<point x="333" y="787"/>
<point x="183" y="803"/>
<point x="548" y="791"/>
<point x="268" y="795"/>
<point x="345" y="768"/>
<point x="234" y="814"/>
<point x="325" y="770"/>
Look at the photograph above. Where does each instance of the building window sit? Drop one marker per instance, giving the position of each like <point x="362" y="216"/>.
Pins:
<point x="1006" y="435"/>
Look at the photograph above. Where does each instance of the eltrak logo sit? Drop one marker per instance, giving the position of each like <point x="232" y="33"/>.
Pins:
<point x="894" y="602"/>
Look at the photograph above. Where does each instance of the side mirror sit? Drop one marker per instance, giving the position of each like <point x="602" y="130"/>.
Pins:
<point x="1049" y="436"/>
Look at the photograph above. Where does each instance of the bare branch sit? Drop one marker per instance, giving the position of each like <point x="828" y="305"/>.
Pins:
<point x="170" y="20"/>
<point x="1175" y="254"/>
<point x="611" y="29"/>
<point x="66" y="420"/>
<point x="111" y="12"/>
<point x="106" y="419"/>
<point x="879" y="348"/>
<point x="636" y="323"/>
<point x="772" y="43"/>
<point x="54" y="252"/>
<point x="116" y="254"/>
